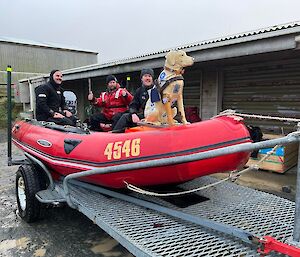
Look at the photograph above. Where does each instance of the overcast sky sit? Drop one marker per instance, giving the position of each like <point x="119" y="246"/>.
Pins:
<point x="124" y="28"/>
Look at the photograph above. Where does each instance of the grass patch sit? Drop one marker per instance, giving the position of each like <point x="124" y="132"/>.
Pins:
<point x="16" y="109"/>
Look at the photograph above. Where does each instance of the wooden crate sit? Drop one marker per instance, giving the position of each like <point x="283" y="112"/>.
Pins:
<point x="282" y="160"/>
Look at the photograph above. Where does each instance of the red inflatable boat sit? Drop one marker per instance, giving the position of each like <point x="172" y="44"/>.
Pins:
<point x="69" y="150"/>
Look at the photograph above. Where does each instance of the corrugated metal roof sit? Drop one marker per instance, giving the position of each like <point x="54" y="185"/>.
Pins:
<point x="272" y="31"/>
<point x="225" y="38"/>
<point x="244" y="34"/>
<point x="43" y="44"/>
<point x="269" y="32"/>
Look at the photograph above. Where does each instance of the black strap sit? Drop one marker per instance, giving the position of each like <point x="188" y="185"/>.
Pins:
<point x="168" y="82"/>
<point x="117" y="106"/>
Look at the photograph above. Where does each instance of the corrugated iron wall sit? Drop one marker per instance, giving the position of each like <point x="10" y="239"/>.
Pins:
<point x="33" y="59"/>
<point x="192" y="87"/>
<point x="265" y="88"/>
<point x="40" y="59"/>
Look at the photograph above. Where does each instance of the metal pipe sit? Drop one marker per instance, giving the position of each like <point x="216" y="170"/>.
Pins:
<point x="9" y="115"/>
<point x="90" y="84"/>
<point x="51" y="184"/>
<point x="296" y="232"/>
<point x="245" y="147"/>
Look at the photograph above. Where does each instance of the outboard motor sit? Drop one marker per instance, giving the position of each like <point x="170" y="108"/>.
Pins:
<point x="71" y="104"/>
<point x="71" y="101"/>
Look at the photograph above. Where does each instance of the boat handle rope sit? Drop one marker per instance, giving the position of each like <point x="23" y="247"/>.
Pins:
<point x="233" y="176"/>
<point x="229" y="112"/>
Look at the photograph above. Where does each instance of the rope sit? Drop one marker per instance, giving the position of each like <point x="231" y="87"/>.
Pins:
<point x="255" y="116"/>
<point x="232" y="176"/>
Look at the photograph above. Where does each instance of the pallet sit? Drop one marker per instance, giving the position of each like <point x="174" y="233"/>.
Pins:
<point x="281" y="161"/>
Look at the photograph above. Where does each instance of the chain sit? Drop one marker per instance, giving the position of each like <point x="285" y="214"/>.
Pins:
<point x="233" y="176"/>
<point x="255" y="116"/>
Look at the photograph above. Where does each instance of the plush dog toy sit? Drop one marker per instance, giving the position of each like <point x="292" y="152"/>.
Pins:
<point x="169" y="90"/>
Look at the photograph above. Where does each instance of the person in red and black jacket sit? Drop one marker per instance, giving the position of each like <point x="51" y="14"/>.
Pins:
<point x="114" y="102"/>
<point x="137" y="106"/>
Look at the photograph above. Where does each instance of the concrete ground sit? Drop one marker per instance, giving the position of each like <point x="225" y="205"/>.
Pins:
<point x="65" y="232"/>
<point x="283" y="185"/>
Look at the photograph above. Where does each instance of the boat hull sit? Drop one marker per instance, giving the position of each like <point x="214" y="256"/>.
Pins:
<point x="100" y="150"/>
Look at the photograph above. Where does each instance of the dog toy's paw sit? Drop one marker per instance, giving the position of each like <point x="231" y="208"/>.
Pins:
<point x="174" y="111"/>
<point x="155" y="123"/>
<point x="176" y="122"/>
<point x="150" y="119"/>
<point x="150" y="122"/>
<point x="185" y="122"/>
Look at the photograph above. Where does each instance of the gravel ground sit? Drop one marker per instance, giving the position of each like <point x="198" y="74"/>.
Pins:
<point x="63" y="232"/>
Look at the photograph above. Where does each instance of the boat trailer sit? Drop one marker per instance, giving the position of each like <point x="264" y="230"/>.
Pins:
<point x="223" y="220"/>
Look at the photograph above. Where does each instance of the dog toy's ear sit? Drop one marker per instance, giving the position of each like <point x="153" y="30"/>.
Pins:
<point x="171" y="58"/>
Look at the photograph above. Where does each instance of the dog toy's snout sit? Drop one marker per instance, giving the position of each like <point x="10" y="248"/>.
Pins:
<point x="192" y="60"/>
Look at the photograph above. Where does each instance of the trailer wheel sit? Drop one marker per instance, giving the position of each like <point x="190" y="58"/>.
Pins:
<point x="27" y="185"/>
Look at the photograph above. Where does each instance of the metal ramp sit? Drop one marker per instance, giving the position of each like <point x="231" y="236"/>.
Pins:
<point x="251" y="210"/>
<point x="145" y="232"/>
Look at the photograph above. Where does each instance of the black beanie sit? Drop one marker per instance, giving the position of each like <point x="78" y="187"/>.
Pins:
<point x="51" y="77"/>
<point x="110" y="78"/>
<point x="147" y="71"/>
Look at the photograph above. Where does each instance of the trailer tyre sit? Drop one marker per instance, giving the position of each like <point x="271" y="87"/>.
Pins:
<point x="27" y="185"/>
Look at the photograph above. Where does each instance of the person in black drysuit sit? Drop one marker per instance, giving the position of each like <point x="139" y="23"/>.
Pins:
<point x="50" y="102"/>
<point x="137" y="106"/>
